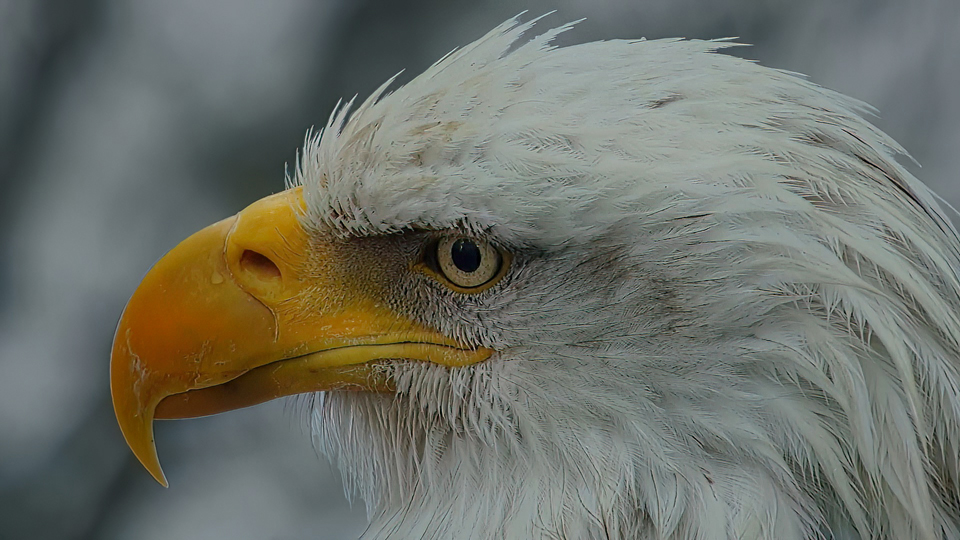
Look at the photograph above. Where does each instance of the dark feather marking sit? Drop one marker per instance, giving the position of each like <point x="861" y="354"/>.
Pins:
<point x="666" y="100"/>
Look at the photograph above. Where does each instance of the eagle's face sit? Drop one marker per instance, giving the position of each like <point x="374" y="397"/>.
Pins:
<point x="623" y="289"/>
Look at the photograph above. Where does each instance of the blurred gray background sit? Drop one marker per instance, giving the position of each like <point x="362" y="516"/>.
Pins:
<point x="127" y="125"/>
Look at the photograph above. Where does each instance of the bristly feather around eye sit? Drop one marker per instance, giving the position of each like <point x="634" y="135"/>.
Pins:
<point x="737" y="317"/>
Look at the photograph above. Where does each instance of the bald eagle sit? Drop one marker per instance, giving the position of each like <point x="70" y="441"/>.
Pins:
<point x="623" y="289"/>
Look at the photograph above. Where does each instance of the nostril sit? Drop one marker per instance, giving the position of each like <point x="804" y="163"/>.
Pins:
<point x="258" y="264"/>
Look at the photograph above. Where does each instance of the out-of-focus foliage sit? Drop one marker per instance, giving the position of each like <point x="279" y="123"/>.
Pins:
<point x="127" y="125"/>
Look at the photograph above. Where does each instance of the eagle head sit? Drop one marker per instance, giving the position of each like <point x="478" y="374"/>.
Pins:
<point x="623" y="289"/>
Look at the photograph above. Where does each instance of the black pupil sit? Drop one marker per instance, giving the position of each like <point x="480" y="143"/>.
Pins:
<point x="465" y="255"/>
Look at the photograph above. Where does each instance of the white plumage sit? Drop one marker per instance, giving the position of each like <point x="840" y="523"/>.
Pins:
<point x="731" y="312"/>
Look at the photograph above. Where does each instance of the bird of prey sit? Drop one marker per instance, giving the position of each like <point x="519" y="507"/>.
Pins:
<point x="622" y="289"/>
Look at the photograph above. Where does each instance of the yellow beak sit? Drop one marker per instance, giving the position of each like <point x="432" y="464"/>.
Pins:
<point x="251" y="309"/>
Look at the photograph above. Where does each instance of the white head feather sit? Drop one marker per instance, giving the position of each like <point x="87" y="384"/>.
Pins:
<point x="731" y="312"/>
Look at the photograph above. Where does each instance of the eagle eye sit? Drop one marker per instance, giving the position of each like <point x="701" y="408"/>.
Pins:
<point x="467" y="264"/>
